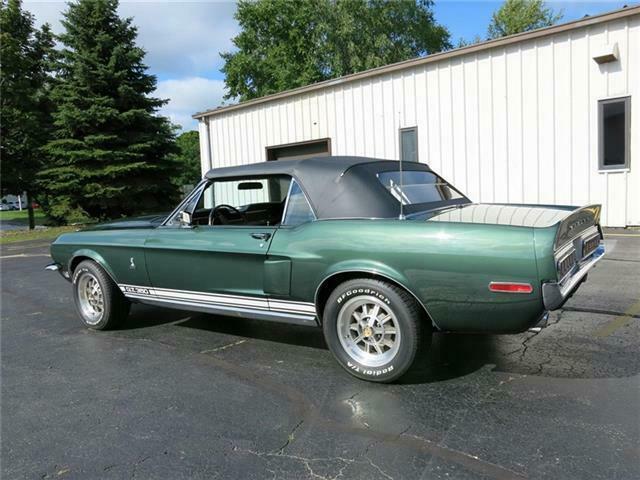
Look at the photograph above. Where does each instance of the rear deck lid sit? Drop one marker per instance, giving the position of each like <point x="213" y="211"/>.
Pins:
<point x="535" y="216"/>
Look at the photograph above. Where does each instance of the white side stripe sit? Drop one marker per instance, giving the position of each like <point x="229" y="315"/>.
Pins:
<point x="225" y="300"/>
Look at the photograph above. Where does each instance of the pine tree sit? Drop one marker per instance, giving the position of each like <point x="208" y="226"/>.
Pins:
<point x="26" y="55"/>
<point x="112" y="153"/>
<point x="188" y="158"/>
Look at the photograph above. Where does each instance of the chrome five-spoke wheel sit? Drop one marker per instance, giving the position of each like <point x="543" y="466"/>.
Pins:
<point x="90" y="298"/>
<point x="368" y="331"/>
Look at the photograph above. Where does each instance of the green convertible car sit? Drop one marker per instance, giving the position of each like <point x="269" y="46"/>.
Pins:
<point x="377" y="253"/>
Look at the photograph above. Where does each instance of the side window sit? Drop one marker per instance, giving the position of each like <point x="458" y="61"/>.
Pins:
<point x="250" y="201"/>
<point x="298" y="209"/>
<point x="189" y="206"/>
<point x="614" y="118"/>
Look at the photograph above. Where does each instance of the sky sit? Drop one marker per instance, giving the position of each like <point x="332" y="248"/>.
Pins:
<point x="183" y="40"/>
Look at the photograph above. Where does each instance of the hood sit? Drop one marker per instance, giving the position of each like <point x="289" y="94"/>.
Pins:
<point x="535" y="216"/>
<point x="146" y="221"/>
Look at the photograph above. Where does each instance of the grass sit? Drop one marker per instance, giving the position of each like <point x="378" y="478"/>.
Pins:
<point x="21" y="217"/>
<point x="23" y="234"/>
<point x="49" y="233"/>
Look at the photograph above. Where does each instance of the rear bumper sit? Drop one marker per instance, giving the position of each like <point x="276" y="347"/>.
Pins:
<point x="554" y="294"/>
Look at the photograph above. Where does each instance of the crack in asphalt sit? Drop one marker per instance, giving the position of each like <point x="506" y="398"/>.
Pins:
<point x="304" y="409"/>
<point x="134" y="470"/>
<point x="620" y="260"/>
<point x="224" y="347"/>
<point x="599" y="311"/>
<point x="290" y="437"/>
<point x="308" y="461"/>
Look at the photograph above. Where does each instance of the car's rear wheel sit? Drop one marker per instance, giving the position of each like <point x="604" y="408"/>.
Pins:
<point x="98" y="300"/>
<point x="373" y="328"/>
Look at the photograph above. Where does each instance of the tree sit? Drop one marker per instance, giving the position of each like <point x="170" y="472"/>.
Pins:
<point x="111" y="154"/>
<point x="463" y="42"/>
<point x="188" y="159"/>
<point x="26" y="55"/>
<point x="290" y="43"/>
<point x="515" y="16"/>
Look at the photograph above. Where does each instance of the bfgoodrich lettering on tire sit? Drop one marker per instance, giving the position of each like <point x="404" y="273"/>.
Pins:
<point x="373" y="328"/>
<point x="98" y="300"/>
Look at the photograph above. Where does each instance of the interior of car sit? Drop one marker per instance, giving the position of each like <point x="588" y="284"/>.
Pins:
<point x="255" y="201"/>
<point x="264" y="214"/>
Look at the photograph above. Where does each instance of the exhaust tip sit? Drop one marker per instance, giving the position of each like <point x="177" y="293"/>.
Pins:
<point x="544" y="320"/>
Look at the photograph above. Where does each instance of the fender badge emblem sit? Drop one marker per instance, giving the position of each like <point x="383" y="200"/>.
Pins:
<point x="132" y="266"/>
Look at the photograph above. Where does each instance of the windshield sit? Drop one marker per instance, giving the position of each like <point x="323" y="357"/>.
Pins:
<point x="417" y="187"/>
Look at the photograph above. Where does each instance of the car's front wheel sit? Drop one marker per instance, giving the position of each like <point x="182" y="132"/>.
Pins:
<point x="98" y="300"/>
<point x="373" y="328"/>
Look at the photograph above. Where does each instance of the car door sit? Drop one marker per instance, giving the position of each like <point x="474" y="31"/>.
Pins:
<point x="221" y="264"/>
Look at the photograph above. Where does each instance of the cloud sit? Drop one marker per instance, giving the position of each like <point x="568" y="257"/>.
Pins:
<point x="187" y="96"/>
<point x="183" y="38"/>
<point x="180" y="38"/>
<point x="183" y="41"/>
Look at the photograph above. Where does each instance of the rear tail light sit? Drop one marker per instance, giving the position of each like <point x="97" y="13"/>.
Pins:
<point x="510" y="287"/>
<point x="590" y="244"/>
<point x="565" y="264"/>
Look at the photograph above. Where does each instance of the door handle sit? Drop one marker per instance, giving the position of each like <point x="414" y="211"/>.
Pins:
<point x="261" y="236"/>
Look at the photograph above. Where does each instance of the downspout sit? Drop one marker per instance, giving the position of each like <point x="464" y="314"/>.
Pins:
<point x="205" y="146"/>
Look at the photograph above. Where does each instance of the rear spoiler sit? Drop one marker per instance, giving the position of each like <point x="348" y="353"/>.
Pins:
<point x="577" y="222"/>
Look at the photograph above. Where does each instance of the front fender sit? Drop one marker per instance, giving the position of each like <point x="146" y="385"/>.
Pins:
<point x="78" y="255"/>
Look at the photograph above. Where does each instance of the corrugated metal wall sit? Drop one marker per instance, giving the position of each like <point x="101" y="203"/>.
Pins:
<point x="515" y="124"/>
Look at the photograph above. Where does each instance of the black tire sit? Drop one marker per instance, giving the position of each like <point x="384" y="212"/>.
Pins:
<point x="113" y="307"/>
<point x="407" y="315"/>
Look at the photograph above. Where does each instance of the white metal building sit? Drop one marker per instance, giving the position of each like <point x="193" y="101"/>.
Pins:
<point x="550" y="116"/>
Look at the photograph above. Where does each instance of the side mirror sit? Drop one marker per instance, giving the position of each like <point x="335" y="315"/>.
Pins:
<point x="185" y="219"/>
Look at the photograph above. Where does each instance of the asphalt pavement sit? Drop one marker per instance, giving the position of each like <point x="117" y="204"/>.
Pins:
<point x="178" y="395"/>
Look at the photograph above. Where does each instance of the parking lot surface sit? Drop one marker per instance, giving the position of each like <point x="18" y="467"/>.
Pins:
<point x="179" y="395"/>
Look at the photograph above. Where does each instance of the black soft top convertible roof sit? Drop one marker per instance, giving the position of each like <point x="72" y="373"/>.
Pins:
<point x="337" y="187"/>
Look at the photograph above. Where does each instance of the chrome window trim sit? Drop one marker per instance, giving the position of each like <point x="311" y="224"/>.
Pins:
<point x="286" y="204"/>
<point x="196" y="191"/>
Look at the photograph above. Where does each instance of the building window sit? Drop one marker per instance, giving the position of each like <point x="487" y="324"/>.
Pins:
<point x="614" y="129"/>
<point x="409" y="144"/>
<point x="291" y="151"/>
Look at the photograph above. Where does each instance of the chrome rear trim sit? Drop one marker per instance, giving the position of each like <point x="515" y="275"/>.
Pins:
<point x="554" y="294"/>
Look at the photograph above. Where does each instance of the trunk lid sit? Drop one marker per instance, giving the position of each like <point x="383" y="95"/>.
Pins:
<point x="572" y="220"/>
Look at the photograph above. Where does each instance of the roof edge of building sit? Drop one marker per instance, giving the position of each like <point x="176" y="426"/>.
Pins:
<point x="435" y="57"/>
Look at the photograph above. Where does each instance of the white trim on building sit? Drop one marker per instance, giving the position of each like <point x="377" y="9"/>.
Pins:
<point x="512" y="120"/>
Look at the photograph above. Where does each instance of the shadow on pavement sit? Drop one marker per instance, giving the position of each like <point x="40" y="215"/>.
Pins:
<point x="258" y="329"/>
<point x="445" y="356"/>
<point x="144" y="316"/>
